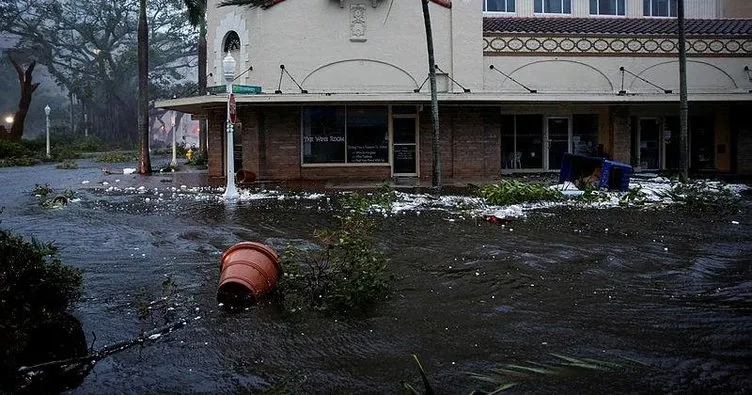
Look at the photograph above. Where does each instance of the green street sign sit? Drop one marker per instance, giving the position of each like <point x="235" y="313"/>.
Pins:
<point x="240" y="89"/>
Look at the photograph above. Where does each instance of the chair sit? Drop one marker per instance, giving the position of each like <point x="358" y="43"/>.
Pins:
<point x="514" y="160"/>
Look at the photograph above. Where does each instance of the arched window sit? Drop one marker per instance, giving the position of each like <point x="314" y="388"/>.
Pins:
<point x="231" y="43"/>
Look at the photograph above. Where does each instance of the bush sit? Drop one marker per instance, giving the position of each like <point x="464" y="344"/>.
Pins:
<point x="14" y="149"/>
<point x="36" y="289"/>
<point x="346" y="276"/>
<point x="515" y="192"/>
<point x="360" y="203"/>
<point x="704" y="196"/>
<point x="116" y="157"/>
<point x="67" y="164"/>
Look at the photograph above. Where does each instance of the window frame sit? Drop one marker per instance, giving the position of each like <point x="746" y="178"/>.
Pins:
<point x="345" y="163"/>
<point x="617" y="14"/>
<point x="673" y="7"/>
<point x="506" y="7"/>
<point x="543" y="11"/>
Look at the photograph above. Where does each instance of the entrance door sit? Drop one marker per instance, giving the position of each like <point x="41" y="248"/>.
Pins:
<point x="649" y="144"/>
<point x="404" y="146"/>
<point x="558" y="141"/>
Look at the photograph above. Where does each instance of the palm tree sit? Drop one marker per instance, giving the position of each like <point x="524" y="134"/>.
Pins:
<point x="144" y="161"/>
<point x="196" y="10"/>
<point x="436" y="168"/>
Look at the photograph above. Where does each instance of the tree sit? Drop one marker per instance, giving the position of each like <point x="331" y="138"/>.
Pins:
<point x="144" y="160"/>
<point x="436" y="168"/>
<point x="27" y="89"/>
<point x="90" y="49"/>
<point x="196" y="10"/>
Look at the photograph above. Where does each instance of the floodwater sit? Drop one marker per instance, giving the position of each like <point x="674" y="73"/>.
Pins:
<point x="663" y="297"/>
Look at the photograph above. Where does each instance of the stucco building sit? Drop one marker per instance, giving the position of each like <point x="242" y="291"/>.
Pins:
<point x="521" y="82"/>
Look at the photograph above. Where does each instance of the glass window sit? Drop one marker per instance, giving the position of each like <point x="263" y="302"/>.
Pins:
<point x="367" y="135"/>
<point x="659" y="7"/>
<point x="324" y="135"/>
<point x="498" y="5"/>
<point x="345" y="135"/>
<point x="553" y="6"/>
<point x="607" y="7"/>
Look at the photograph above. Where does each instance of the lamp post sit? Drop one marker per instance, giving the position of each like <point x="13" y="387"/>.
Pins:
<point x="228" y="69"/>
<point x="47" y="118"/>
<point x="174" y="162"/>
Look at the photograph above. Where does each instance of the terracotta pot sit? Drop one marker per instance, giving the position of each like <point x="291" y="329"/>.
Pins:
<point x="248" y="270"/>
<point x="244" y="176"/>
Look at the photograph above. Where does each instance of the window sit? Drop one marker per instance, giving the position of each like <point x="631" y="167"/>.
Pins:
<point x="345" y="135"/>
<point x="659" y="7"/>
<point x="607" y="7"/>
<point x="498" y="5"/>
<point x="553" y="6"/>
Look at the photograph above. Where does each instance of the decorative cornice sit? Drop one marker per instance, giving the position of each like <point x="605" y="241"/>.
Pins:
<point x="578" y="45"/>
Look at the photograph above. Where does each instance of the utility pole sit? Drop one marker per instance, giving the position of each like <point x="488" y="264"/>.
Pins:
<point x="683" y="105"/>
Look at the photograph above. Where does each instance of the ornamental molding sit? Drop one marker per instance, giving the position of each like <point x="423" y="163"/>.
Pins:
<point x="358" y="22"/>
<point x="614" y="46"/>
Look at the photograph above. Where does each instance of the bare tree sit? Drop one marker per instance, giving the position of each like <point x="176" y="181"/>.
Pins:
<point x="27" y="89"/>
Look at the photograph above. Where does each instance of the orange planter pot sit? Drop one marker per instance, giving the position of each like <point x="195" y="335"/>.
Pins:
<point x="248" y="270"/>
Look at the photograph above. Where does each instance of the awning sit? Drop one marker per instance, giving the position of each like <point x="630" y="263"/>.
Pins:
<point x="201" y="104"/>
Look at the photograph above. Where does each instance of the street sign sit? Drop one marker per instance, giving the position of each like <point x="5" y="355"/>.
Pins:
<point x="233" y="109"/>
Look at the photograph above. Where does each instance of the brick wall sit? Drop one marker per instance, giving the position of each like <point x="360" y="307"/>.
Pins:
<point x="281" y="140"/>
<point x="216" y="143"/>
<point x="470" y="143"/>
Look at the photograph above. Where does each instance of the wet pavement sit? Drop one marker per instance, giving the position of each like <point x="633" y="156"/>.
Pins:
<point x="663" y="296"/>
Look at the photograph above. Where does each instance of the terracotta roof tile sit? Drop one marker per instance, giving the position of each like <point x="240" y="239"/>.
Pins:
<point x="696" y="27"/>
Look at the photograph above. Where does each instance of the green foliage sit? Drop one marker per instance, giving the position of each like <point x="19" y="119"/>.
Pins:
<point x="67" y="164"/>
<point x="634" y="197"/>
<point x="117" y="157"/>
<point x="35" y="288"/>
<point x="15" y="153"/>
<point x="63" y="153"/>
<point x="704" y="196"/>
<point x="48" y="198"/>
<point x="361" y="203"/>
<point x="198" y="159"/>
<point x="592" y="196"/>
<point x="346" y="276"/>
<point x="515" y="192"/>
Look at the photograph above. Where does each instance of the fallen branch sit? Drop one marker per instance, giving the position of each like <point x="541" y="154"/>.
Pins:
<point x="94" y="356"/>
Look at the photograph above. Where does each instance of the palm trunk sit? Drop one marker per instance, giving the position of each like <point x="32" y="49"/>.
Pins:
<point x="27" y="89"/>
<point x="202" y="138"/>
<point x="436" y="166"/>
<point x="683" y="105"/>
<point x="144" y="161"/>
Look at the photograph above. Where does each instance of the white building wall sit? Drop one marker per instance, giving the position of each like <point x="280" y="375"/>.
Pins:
<point x="705" y="9"/>
<point x="331" y="48"/>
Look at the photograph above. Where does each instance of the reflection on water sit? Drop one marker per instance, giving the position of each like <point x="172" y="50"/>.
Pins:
<point x="664" y="295"/>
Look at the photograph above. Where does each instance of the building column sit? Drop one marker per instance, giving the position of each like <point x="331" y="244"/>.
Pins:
<point x="621" y="134"/>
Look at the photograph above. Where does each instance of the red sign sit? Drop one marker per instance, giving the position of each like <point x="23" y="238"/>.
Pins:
<point x="233" y="109"/>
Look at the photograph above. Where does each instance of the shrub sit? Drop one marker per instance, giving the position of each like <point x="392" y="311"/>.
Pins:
<point x="703" y="196"/>
<point x="116" y="157"/>
<point x="345" y="276"/>
<point x="67" y="164"/>
<point x="515" y="192"/>
<point x="634" y="197"/>
<point x="62" y="153"/>
<point x="49" y="199"/>
<point x="13" y="149"/>
<point x="198" y="160"/>
<point x="360" y="203"/>
<point x="36" y="289"/>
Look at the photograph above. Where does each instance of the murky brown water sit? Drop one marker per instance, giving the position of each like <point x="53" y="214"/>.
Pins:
<point x="665" y="295"/>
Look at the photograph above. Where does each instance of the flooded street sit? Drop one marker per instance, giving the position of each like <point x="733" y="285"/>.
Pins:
<point x="663" y="296"/>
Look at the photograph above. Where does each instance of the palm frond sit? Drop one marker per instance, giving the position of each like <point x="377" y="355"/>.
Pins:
<point x="247" y="3"/>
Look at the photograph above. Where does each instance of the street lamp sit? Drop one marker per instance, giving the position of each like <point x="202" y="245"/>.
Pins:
<point x="174" y="162"/>
<point x="47" y="110"/>
<point x="228" y="70"/>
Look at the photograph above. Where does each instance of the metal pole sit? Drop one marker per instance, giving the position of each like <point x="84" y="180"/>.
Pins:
<point x="683" y="101"/>
<point x="174" y="162"/>
<point x="47" y="118"/>
<point x="231" y="192"/>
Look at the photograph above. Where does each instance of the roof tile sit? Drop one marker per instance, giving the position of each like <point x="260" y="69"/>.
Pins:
<point x="695" y="27"/>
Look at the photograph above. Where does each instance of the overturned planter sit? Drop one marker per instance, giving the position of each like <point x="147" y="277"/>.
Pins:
<point x="248" y="270"/>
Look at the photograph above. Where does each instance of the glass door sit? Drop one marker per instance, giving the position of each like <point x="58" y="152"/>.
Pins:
<point x="649" y="144"/>
<point x="404" y="145"/>
<point x="558" y="141"/>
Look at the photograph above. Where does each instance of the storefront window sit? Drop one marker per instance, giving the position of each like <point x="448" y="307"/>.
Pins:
<point x="345" y="135"/>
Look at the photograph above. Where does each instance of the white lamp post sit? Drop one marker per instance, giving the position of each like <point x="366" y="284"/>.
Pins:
<point x="228" y="68"/>
<point x="9" y="121"/>
<point x="47" y="118"/>
<point x="174" y="162"/>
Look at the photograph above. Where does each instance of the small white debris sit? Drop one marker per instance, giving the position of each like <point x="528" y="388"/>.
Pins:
<point x="85" y="182"/>
<point x="155" y="336"/>
<point x="735" y="222"/>
<point x="665" y="248"/>
<point x="129" y="170"/>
